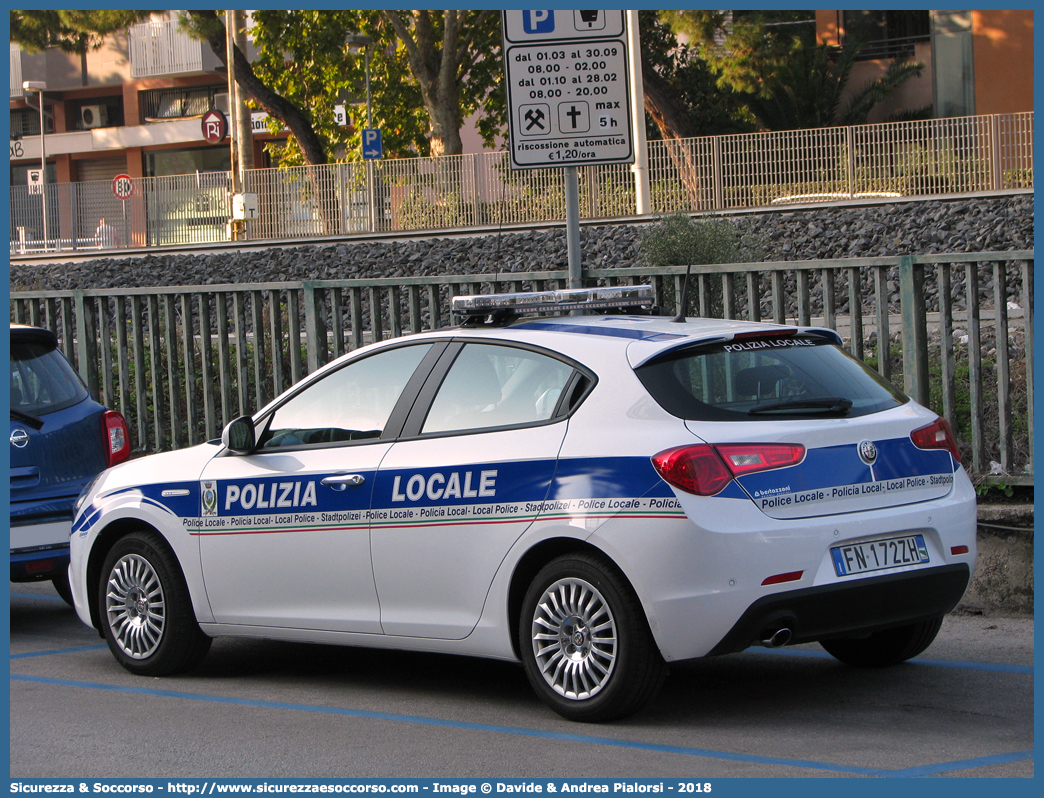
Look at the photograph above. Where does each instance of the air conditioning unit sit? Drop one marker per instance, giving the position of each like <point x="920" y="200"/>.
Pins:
<point x="221" y="102"/>
<point x="94" y="116"/>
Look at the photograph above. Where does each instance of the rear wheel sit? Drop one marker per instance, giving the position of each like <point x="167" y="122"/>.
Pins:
<point x="585" y="642"/>
<point x="145" y="608"/>
<point x="887" y="647"/>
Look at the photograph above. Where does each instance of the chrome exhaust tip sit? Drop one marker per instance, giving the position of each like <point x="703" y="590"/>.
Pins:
<point x="777" y="638"/>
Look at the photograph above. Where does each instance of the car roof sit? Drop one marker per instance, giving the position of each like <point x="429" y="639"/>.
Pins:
<point x="648" y="337"/>
<point x="23" y="332"/>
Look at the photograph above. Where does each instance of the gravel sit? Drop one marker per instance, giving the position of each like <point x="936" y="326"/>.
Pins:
<point x="917" y="228"/>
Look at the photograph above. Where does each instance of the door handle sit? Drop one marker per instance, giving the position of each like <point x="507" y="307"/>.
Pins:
<point x="342" y="481"/>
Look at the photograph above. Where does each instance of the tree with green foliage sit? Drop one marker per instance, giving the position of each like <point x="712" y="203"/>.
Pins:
<point x="677" y="239"/>
<point x="209" y="27"/>
<point x="786" y="80"/>
<point x="681" y="95"/>
<point x="744" y="48"/>
<point x="683" y="101"/>
<point x="455" y="58"/>
<point x="809" y="90"/>
<point x="429" y="70"/>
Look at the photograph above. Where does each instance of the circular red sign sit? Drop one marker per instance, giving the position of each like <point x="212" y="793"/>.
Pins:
<point x="215" y="126"/>
<point x="122" y="186"/>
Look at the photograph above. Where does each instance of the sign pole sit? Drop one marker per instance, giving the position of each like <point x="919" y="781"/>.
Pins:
<point x="572" y="200"/>
<point x="567" y="75"/>
<point x="640" y="167"/>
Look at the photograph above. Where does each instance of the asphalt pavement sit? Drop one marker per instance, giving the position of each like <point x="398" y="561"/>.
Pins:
<point x="278" y="710"/>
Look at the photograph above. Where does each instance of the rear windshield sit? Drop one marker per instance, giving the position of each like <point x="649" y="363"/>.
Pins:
<point x="42" y="381"/>
<point x="765" y="378"/>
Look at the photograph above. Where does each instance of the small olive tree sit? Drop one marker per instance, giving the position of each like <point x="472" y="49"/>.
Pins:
<point x="679" y="240"/>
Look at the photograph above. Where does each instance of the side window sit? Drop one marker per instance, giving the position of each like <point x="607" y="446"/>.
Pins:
<point x="497" y="386"/>
<point x="350" y="404"/>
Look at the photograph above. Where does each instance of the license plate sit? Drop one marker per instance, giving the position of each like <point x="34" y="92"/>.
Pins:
<point x="873" y="555"/>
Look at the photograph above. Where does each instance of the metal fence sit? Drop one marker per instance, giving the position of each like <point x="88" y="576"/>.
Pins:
<point x="714" y="173"/>
<point x="162" y="211"/>
<point x="181" y="362"/>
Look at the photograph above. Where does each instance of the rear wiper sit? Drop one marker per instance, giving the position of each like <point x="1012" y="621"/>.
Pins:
<point x="25" y="418"/>
<point x="826" y="404"/>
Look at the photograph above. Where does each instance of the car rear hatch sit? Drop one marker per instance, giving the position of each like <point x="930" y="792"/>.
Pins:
<point x="56" y="442"/>
<point x="867" y="463"/>
<point x="805" y="429"/>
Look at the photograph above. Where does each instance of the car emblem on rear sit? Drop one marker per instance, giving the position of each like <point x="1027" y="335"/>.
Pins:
<point x="19" y="438"/>
<point x="867" y="452"/>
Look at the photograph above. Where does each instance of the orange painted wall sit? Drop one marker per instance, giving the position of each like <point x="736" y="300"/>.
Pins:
<point x="1003" y="53"/>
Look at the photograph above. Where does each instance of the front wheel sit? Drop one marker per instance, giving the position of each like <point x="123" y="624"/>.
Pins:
<point x="585" y="642"/>
<point x="887" y="647"/>
<point x="145" y="608"/>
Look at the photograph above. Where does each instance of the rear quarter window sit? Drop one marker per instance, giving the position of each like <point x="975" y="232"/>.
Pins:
<point x="765" y="378"/>
<point x="42" y="381"/>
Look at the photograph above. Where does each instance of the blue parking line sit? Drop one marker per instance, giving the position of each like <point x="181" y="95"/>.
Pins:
<point x="926" y="770"/>
<point x="39" y="597"/>
<point x="937" y="663"/>
<point x="59" y="651"/>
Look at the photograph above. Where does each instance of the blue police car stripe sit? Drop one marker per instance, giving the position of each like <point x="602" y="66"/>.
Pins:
<point x="513" y="492"/>
<point x="835" y="466"/>
<point x="605" y="477"/>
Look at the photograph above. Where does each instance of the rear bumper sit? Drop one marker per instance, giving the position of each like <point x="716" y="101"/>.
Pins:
<point x="838" y="609"/>
<point x="42" y="562"/>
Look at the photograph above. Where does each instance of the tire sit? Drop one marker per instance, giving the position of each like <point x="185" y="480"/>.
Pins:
<point x="61" y="587"/>
<point x="887" y="647"/>
<point x="145" y="610"/>
<point x="585" y="642"/>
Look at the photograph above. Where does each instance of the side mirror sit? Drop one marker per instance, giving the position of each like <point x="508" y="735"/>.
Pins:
<point x="239" y="437"/>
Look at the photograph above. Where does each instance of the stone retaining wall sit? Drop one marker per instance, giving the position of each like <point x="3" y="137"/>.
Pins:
<point x="966" y="225"/>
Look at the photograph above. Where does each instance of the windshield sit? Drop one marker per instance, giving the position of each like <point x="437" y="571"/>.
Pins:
<point x="763" y="378"/>
<point x="42" y="381"/>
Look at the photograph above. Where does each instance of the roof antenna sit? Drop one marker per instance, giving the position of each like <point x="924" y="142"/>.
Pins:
<point x="683" y="305"/>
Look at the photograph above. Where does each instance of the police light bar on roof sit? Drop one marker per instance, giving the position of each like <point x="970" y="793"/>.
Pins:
<point x="630" y="296"/>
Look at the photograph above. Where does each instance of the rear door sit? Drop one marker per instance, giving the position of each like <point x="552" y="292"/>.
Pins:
<point x="450" y="499"/>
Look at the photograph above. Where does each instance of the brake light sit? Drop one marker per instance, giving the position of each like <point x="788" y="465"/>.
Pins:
<point x="936" y="435"/>
<point x="116" y="437"/>
<point x="705" y="470"/>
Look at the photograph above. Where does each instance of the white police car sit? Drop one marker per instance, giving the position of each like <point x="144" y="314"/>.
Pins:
<point x="594" y="495"/>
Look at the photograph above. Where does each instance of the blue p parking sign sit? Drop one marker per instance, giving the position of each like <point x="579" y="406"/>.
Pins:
<point x="371" y="143"/>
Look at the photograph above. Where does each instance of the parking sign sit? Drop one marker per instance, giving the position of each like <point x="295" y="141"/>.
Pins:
<point x="569" y="98"/>
<point x="372" y="145"/>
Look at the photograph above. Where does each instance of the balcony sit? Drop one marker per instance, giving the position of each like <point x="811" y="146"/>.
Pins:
<point x="16" y="71"/>
<point x="160" y="48"/>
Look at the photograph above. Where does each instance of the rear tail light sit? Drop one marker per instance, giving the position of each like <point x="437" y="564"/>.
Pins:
<point x="746" y="458"/>
<point x="705" y="470"/>
<point x="116" y="437"/>
<point x="936" y="435"/>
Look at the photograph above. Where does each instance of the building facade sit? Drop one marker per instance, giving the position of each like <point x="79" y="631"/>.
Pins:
<point x="975" y="62"/>
<point x="134" y="107"/>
